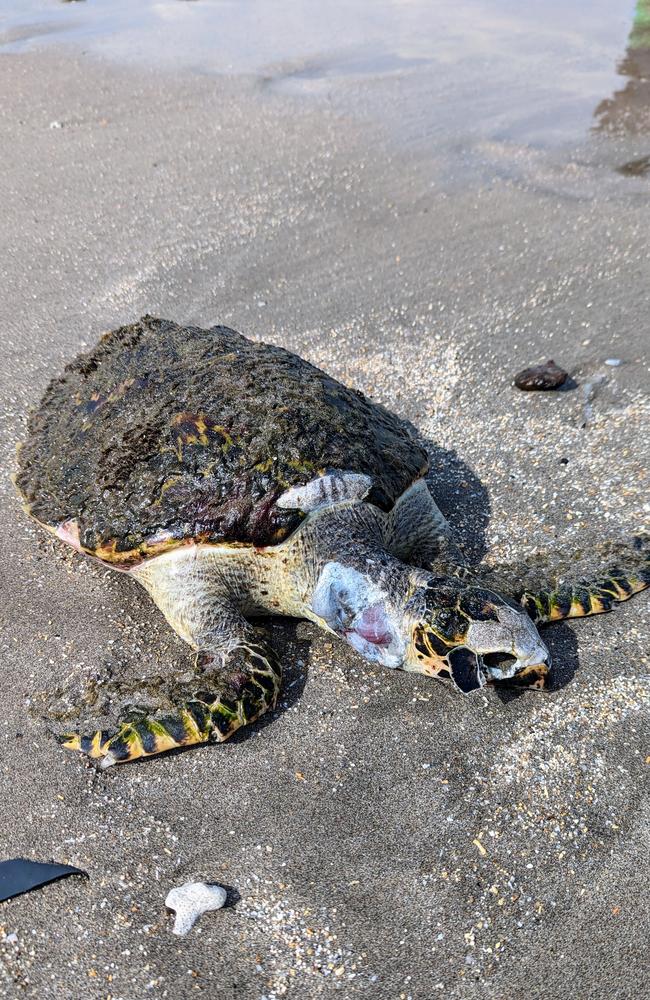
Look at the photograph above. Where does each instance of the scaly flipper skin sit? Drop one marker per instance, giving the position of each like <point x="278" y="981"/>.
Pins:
<point x="581" y="599"/>
<point x="546" y="602"/>
<point x="418" y="533"/>
<point x="242" y="688"/>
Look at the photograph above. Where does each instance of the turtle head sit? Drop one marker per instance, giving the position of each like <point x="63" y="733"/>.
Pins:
<point x="473" y="636"/>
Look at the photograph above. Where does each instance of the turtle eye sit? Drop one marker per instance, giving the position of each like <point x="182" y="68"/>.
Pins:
<point x="499" y="661"/>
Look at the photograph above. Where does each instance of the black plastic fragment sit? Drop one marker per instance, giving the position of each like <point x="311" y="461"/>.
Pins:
<point x="20" y="875"/>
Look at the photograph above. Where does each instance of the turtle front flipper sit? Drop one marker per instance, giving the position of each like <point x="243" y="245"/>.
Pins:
<point x="577" y="600"/>
<point x="588" y="593"/>
<point x="232" y="688"/>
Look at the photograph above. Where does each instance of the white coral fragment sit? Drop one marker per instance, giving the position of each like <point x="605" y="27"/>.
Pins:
<point x="189" y="901"/>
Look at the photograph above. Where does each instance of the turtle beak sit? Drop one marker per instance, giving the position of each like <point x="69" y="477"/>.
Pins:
<point x="537" y="677"/>
<point x="532" y="671"/>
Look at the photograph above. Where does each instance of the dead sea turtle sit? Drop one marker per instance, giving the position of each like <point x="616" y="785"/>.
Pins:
<point x="234" y="480"/>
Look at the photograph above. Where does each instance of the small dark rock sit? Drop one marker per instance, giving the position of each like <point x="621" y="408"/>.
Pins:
<point x="547" y="376"/>
<point x="564" y="461"/>
<point x="635" y="168"/>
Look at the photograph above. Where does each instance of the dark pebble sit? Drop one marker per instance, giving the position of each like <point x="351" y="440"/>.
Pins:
<point x="547" y="376"/>
<point x="635" y="168"/>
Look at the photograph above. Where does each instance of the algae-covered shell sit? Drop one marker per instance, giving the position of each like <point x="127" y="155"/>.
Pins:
<point x="163" y="435"/>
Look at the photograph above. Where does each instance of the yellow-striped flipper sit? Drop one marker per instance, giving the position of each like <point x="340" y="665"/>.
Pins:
<point x="246" y="689"/>
<point x="577" y="600"/>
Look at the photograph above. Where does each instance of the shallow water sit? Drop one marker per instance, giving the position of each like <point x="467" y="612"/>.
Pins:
<point x="538" y="74"/>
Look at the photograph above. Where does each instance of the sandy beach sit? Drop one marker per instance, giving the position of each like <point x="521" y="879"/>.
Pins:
<point x="380" y="835"/>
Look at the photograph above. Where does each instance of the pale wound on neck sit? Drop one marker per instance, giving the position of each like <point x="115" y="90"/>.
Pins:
<point x="355" y="609"/>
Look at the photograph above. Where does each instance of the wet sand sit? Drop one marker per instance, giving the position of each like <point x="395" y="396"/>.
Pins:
<point x="381" y="835"/>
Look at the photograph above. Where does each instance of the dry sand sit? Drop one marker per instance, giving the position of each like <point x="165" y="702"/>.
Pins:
<point x="381" y="835"/>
